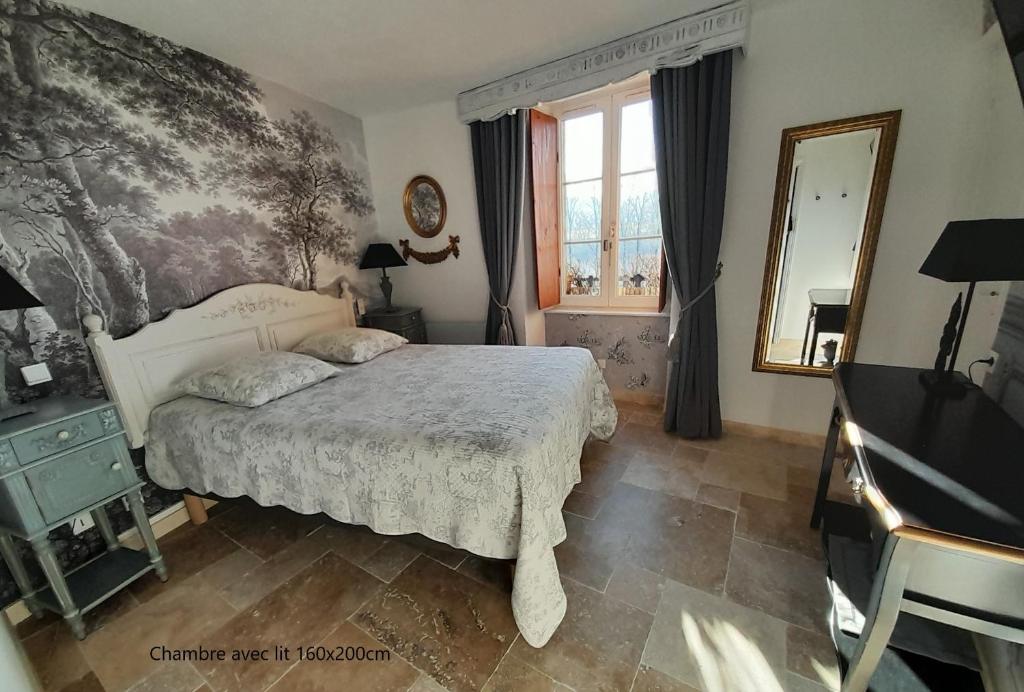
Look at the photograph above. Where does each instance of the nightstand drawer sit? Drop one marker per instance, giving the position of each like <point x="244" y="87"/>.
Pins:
<point x="51" y="439"/>
<point x="67" y="484"/>
<point x="415" y="335"/>
<point x="407" y="322"/>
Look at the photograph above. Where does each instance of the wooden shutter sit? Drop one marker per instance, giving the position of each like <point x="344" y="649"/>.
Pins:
<point x="663" y="287"/>
<point x="544" y="159"/>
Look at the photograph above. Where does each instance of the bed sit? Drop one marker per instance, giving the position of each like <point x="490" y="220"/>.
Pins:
<point x="474" y="446"/>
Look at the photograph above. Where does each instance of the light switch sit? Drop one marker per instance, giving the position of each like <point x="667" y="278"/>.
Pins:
<point x="35" y="374"/>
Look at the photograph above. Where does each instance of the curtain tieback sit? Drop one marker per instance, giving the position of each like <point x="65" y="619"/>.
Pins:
<point x="505" y="330"/>
<point x="673" y="347"/>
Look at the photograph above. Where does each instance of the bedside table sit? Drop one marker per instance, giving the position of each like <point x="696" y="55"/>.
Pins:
<point x="68" y="457"/>
<point x="407" y="322"/>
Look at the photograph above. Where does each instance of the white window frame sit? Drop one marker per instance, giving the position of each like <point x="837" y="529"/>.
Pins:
<point x="609" y="102"/>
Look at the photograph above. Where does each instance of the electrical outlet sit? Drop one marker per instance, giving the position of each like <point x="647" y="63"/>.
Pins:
<point x="602" y="363"/>
<point x="361" y="306"/>
<point x="83" y="522"/>
<point x="994" y="355"/>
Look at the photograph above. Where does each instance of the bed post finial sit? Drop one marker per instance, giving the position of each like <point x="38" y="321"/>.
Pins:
<point x="93" y="324"/>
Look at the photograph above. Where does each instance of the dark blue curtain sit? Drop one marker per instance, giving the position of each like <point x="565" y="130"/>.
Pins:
<point x="691" y="138"/>
<point x="499" y="165"/>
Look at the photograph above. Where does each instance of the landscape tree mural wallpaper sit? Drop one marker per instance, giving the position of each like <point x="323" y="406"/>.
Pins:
<point x="138" y="176"/>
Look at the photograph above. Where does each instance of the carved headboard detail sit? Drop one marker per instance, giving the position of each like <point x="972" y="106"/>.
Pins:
<point x="140" y="371"/>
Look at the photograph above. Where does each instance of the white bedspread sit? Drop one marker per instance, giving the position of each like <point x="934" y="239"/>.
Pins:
<point x="474" y="446"/>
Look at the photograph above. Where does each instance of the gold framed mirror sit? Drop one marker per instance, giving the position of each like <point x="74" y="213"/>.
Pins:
<point x="830" y="192"/>
<point x="425" y="206"/>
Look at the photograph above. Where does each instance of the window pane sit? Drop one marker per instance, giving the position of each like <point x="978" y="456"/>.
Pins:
<point x="639" y="267"/>
<point x="582" y="148"/>
<point x="637" y="138"/>
<point x="583" y="211"/>
<point x="583" y="269"/>
<point x="639" y="212"/>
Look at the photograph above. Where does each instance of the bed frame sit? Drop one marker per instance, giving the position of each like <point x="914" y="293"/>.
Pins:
<point x="140" y="371"/>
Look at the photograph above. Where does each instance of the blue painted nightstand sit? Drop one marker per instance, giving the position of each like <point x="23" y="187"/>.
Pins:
<point x="67" y="457"/>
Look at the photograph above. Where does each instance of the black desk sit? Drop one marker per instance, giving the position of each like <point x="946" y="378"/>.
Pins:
<point x="828" y="312"/>
<point x="943" y="481"/>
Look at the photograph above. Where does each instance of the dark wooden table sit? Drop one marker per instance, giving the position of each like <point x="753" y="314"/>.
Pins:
<point x="828" y="312"/>
<point x="944" y="482"/>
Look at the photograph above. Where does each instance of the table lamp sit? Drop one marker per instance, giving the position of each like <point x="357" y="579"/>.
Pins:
<point x="12" y="297"/>
<point x="381" y="256"/>
<point x="969" y="251"/>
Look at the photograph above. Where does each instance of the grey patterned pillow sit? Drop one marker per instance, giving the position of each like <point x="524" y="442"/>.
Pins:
<point x="256" y="379"/>
<point x="350" y="344"/>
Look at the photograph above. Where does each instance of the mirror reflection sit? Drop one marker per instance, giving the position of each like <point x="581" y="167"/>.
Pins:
<point x="825" y="223"/>
<point x="827" y="202"/>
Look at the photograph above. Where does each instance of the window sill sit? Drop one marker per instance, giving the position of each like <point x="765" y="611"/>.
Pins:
<point x="611" y="311"/>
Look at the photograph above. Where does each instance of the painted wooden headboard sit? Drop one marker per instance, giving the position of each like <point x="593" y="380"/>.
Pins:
<point x="140" y="371"/>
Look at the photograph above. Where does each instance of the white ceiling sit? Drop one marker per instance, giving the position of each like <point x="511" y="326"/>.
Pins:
<point x="370" y="56"/>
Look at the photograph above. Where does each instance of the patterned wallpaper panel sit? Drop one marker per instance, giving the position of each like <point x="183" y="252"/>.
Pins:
<point x="138" y="176"/>
<point x="635" y="348"/>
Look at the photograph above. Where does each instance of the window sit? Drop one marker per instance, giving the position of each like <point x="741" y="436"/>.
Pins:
<point x="608" y="212"/>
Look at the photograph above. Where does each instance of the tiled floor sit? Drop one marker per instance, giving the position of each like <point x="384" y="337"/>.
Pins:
<point x="687" y="566"/>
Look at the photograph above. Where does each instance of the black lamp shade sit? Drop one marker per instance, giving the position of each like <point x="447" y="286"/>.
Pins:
<point x="981" y="250"/>
<point x="381" y="255"/>
<point x="13" y="296"/>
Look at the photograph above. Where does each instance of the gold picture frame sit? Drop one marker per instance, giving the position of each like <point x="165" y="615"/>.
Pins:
<point x="888" y="124"/>
<point x="425" y="206"/>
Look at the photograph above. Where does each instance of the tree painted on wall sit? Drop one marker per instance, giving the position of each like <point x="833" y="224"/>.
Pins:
<point x="300" y="180"/>
<point x="102" y="131"/>
<point x="100" y="121"/>
<point x="69" y="79"/>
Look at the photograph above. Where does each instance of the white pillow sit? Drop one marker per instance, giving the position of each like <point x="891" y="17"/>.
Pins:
<point x="350" y="344"/>
<point x="258" y="378"/>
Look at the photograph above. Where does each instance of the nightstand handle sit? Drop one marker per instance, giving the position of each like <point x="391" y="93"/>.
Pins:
<point x="63" y="435"/>
<point x="116" y="466"/>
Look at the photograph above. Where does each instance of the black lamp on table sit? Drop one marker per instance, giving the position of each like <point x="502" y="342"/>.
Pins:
<point x="969" y="251"/>
<point x="381" y="256"/>
<point x="12" y="297"/>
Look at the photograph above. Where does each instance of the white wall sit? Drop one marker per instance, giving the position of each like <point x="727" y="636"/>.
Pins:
<point x="430" y="140"/>
<point x="809" y="60"/>
<point x="454" y="294"/>
<point x="958" y="156"/>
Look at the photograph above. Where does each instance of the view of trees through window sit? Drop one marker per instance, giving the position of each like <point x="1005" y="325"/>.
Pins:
<point x="627" y="245"/>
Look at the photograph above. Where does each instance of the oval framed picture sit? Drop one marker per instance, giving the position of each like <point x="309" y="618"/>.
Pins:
<point x="425" y="206"/>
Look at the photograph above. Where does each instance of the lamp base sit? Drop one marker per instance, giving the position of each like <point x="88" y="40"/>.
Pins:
<point x="385" y="288"/>
<point x="944" y="384"/>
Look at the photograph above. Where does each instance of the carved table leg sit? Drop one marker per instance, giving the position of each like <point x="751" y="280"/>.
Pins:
<point x="102" y="521"/>
<point x="146" y="531"/>
<point x="51" y="568"/>
<point x="9" y="551"/>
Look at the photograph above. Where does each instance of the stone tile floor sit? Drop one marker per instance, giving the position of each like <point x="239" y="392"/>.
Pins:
<point x="688" y="566"/>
